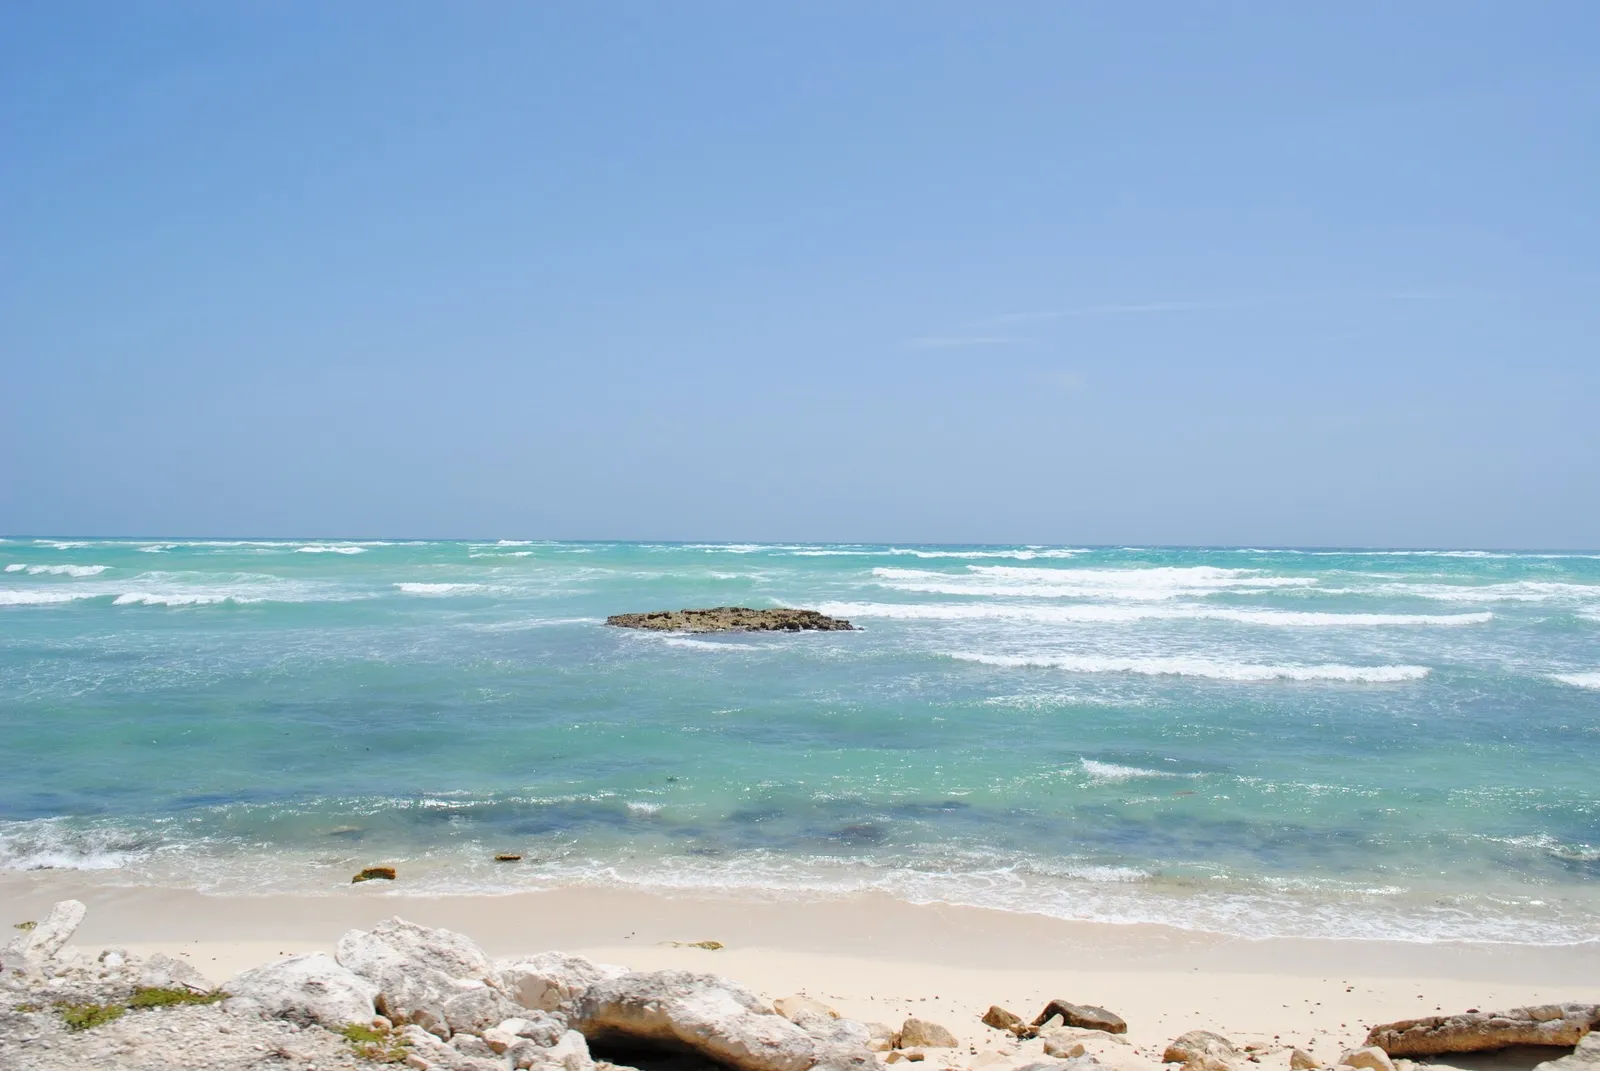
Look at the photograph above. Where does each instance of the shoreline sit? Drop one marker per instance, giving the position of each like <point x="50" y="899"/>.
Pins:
<point x="879" y="959"/>
<point x="1317" y="908"/>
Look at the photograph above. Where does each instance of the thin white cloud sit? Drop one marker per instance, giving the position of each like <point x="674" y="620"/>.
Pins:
<point x="954" y="342"/>
<point x="1111" y="310"/>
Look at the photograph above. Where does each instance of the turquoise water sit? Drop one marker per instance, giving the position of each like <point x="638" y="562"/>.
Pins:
<point x="1256" y="742"/>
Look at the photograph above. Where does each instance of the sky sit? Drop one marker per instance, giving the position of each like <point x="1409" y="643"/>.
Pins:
<point x="1155" y="273"/>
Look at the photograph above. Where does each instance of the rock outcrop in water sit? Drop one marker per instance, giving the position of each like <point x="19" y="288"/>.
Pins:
<point x="732" y="619"/>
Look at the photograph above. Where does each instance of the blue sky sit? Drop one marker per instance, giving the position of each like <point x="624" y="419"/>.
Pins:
<point x="1034" y="272"/>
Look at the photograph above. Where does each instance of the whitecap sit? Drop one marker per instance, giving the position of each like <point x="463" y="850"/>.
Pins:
<point x="1199" y="667"/>
<point x="178" y="598"/>
<point x="41" y="598"/>
<point x="711" y="645"/>
<point x="15" y="567"/>
<point x="1579" y="680"/>
<point x="1090" y="613"/>
<point x="322" y="548"/>
<point x="1151" y="584"/>
<point x="50" y="844"/>
<point x="1104" y="772"/>
<point x="439" y="589"/>
<point x="1514" y="591"/>
<point x="647" y="809"/>
<point x="1021" y="554"/>
<point x="59" y="570"/>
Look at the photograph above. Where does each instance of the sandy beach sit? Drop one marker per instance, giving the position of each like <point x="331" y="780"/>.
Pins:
<point x="878" y="959"/>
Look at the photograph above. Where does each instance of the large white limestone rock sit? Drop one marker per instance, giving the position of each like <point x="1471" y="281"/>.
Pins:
<point x="552" y="981"/>
<point x="433" y="978"/>
<point x="48" y="937"/>
<point x="310" y="988"/>
<point x="717" y="1018"/>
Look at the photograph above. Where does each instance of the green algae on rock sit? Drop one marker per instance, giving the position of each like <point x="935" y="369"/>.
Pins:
<point x="732" y="619"/>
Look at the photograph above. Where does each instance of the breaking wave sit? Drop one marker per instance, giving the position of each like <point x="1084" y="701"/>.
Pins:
<point x="711" y="645"/>
<point x="1200" y="667"/>
<point x="41" y="598"/>
<point x="181" y="598"/>
<point x="1156" y="583"/>
<point x="1096" y="613"/>
<point x="439" y="589"/>
<point x="1579" y="680"/>
<point x="1110" y="772"/>
<point x="53" y="844"/>
<point x="57" y="570"/>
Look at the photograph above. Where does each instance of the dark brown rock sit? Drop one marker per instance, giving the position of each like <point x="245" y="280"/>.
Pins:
<point x="1545" y="1024"/>
<point x="1083" y="1016"/>
<point x="732" y="619"/>
<point x="374" y="873"/>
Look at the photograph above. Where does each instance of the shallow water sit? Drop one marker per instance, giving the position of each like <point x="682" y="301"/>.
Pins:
<point x="1258" y="742"/>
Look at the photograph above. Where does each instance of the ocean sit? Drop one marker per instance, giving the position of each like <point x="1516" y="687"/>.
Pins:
<point x="1256" y="742"/>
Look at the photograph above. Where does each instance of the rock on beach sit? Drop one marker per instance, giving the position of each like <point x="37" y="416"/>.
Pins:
<point x="1201" y="1050"/>
<point x="920" y="1034"/>
<point x="1586" y="1057"/>
<point x="1545" y="1024"/>
<point x="1083" y="1016"/>
<point x="310" y="988"/>
<point x="49" y="936"/>
<point x="432" y="999"/>
<point x="719" y="1019"/>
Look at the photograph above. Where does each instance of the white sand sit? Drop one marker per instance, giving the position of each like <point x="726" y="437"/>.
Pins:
<point x="880" y="959"/>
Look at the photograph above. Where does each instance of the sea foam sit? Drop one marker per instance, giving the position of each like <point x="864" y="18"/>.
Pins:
<point x="1157" y="583"/>
<point x="58" y="570"/>
<point x="180" y="598"/>
<point x="41" y="598"/>
<point x="1104" y="772"/>
<point x="1199" y="667"/>
<point x="1091" y="613"/>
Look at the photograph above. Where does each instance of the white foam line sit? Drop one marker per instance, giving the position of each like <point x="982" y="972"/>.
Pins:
<point x="42" y="598"/>
<point x="1515" y="591"/>
<point x="1152" y="584"/>
<point x="1101" y="614"/>
<point x="57" y="570"/>
<point x="1200" y="667"/>
<point x="1104" y="772"/>
<point x="723" y="646"/>
<point x="157" y="598"/>
<point x="1503" y="555"/>
<point x="1579" y="680"/>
